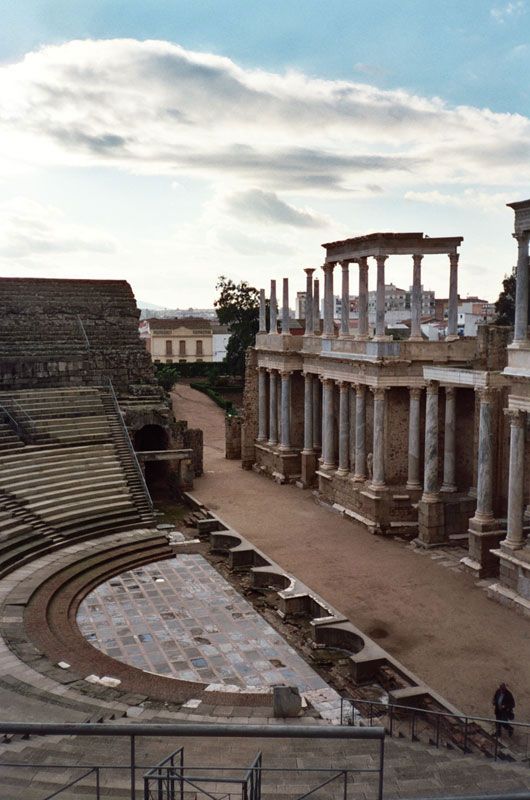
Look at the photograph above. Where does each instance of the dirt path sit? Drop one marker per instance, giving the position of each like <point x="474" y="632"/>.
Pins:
<point x="435" y="620"/>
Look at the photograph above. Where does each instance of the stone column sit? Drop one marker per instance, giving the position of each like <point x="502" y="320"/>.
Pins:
<point x="345" y="303"/>
<point x="308" y="457"/>
<point x="329" y="329"/>
<point x="521" y="290"/>
<point x="328" y="454"/>
<point x="415" y="331"/>
<point x="380" y="299"/>
<point x="413" y="477"/>
<point x="360" y="433"/>
<point x="262" y="312"/>
<point x="515" y="536"/>
<point x="273" y="309"/>
<point x="262" y="404"/>
<point x="273" y="408"/>
<point x="484" y="510"/>
<point x="452" y="317"/>
<point x="317" y="415"/>
<point x="449" y="483"/>
<point x="286" y="411"/>
<point x="309" y="302"/>
<point x="430" y="485"/>
<point x="344" y="429"/>
<point x="285" y="307"/>
<point x="308" y="413"/>
<point x="378" y="475"/>
<point x="316" y="306"/>
<point x="362" y="329"/>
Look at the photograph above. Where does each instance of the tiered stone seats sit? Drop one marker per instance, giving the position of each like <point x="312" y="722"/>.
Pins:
<point x="75" y="480"/>
<point x="65" y="332"/>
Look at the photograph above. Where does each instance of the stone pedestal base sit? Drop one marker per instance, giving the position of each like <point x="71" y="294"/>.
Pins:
<point x="282" y="465"/>
<point x="431" y="524"/>
<point x="514" y="586"/>
<point x="483" y="537"/>
<point x="309" y="462"/>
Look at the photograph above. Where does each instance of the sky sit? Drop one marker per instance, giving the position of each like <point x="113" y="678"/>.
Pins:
<point x="168" y="142"/>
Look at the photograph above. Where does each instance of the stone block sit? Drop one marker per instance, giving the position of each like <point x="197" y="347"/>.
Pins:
<point x="286" y="701"/>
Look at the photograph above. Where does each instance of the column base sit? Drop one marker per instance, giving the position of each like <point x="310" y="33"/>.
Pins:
<point x="361" y="337"/>
<point x="431" y="521"/>
<point x="448" y="487"/>
<point x="328" y="467"/>
<point x="359" y="478"/>
<point x="382" y="338"/>
<point x="452" y="337"/>
<point x="413" y="486"/>
<point x="272" y="443"/>
<point x="378" y="487"/>
<point x="416" y="339"/>
<point x="341" y="472"/>
<point x="309" y="462"/>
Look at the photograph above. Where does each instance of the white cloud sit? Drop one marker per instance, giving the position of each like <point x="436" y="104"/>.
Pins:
<point x="466" y="199"/>
<point x="267" y="207"/>
<point x="153" y="107"/>
<point x="29" y="230"/>
<point x="509" y="11"/>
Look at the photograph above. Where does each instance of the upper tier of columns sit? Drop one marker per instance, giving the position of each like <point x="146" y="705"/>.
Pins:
<point x="312" y="312"/>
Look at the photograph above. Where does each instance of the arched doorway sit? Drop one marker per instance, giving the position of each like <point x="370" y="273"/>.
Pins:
<point x="154" y="437"/>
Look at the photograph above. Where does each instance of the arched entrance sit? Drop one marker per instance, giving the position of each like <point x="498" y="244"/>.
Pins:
<point x="154" y="437"/>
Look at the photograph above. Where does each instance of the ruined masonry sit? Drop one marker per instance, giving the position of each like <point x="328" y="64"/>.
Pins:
<point x="425" y="439"/>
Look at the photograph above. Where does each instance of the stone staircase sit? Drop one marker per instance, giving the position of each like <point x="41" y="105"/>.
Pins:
<point x="76" y="479"/>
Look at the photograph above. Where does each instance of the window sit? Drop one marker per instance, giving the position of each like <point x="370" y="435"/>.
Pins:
<point x="182" y="360"/>
<point x="199" y="347"/>
<point x="182" y="347"/>
<point x="169" y="347"/>
<point x="169" y="360"/>
<point x="199" y="361"/>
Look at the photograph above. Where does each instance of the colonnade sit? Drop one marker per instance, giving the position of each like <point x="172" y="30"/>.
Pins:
<point x="515" y="538"/>
<point x="313" y="300"/>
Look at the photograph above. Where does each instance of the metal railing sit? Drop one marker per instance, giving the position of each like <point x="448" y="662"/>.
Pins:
<point x="23" y="430"/>
<point x="83" y="331"/>
<point x="168" y="777"/>
<point x="129" y="443"/>
<point x="466" y="732"/>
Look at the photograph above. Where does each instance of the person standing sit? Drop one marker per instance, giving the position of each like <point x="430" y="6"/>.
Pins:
<point x="504" y="705"/>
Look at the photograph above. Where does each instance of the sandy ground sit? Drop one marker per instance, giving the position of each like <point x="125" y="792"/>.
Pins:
<point x="435" y="620"/>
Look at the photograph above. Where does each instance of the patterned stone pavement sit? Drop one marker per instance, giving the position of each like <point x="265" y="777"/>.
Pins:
<point x="181" y="619"/>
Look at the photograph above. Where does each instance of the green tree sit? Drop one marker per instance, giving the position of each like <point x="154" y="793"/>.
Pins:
<point x="238" y="308"/>
<point x="505" y="305"/>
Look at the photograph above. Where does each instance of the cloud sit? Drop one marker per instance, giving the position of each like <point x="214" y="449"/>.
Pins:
<point x="155" y="108"/>
<point x="266" y="207"/>
<point x="250" y="245"/>
<point x="466" y="199"/>
<point x="30" y="230"/>
<point x="509" y="11"/>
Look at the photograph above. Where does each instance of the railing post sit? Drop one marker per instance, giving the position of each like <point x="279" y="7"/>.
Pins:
<point x="391" y="724"/>
<point x="97" y="784"/>
<point x="381" y="768"/>
<point x="133" y="769"/>
<point x="345" y="784"/>
<point x="465" y="735"/>
<point x="341" y="706"/>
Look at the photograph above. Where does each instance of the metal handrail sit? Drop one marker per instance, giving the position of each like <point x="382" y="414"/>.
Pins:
<point x="129" y="443"/>
<point x="463" y="719"/>
<point x="83" y="331"/>
<point x="15" y="424"/>
<point x="75" y="781"/>
<point x="206" y="730"/>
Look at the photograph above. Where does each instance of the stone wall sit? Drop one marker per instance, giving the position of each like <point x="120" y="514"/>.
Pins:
<point x="233" y="436"/>
<point x="249" y="428"/>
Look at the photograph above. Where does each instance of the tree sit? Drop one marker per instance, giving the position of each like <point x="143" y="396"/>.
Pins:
<point x="505" y="305"/>
<point x="238" y="308"/>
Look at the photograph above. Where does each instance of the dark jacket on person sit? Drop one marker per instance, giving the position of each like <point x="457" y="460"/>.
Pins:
<point x="503" y="703"/>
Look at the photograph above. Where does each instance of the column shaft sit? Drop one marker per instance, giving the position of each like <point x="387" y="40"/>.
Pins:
<point x="317" y="412"/>
<point x="515" y="536"/>
<point x="378" y="479"/>
<point x="360" y="433"/>
<point x="273" y="408"/>
<point x="285" y="307"/>
<point x="329" y="329"/>
<point x="344" y="429"/>
<point x="316" y="305"/>
<point x="362" y="329"/>
<point x="308" y="413"/>
<point x="309" y="302"/>
<point x="286" y="411"/>
<point x="430" y="485"/>
<point x="449" y="483"/>
<point x="262" y="404"/>
<point x="262" y="312"/>
<point x="521" y="290"/>
<point x="380" y="298"/>
<point x="415" y="332"/>
<point x="328" y="449"/>
<point x="345" y="302"/>
<point x="273" y="309"/>
<point x="484" y="510"/>
<point x="413" y="477"/>
<point x="452" y="315"/>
